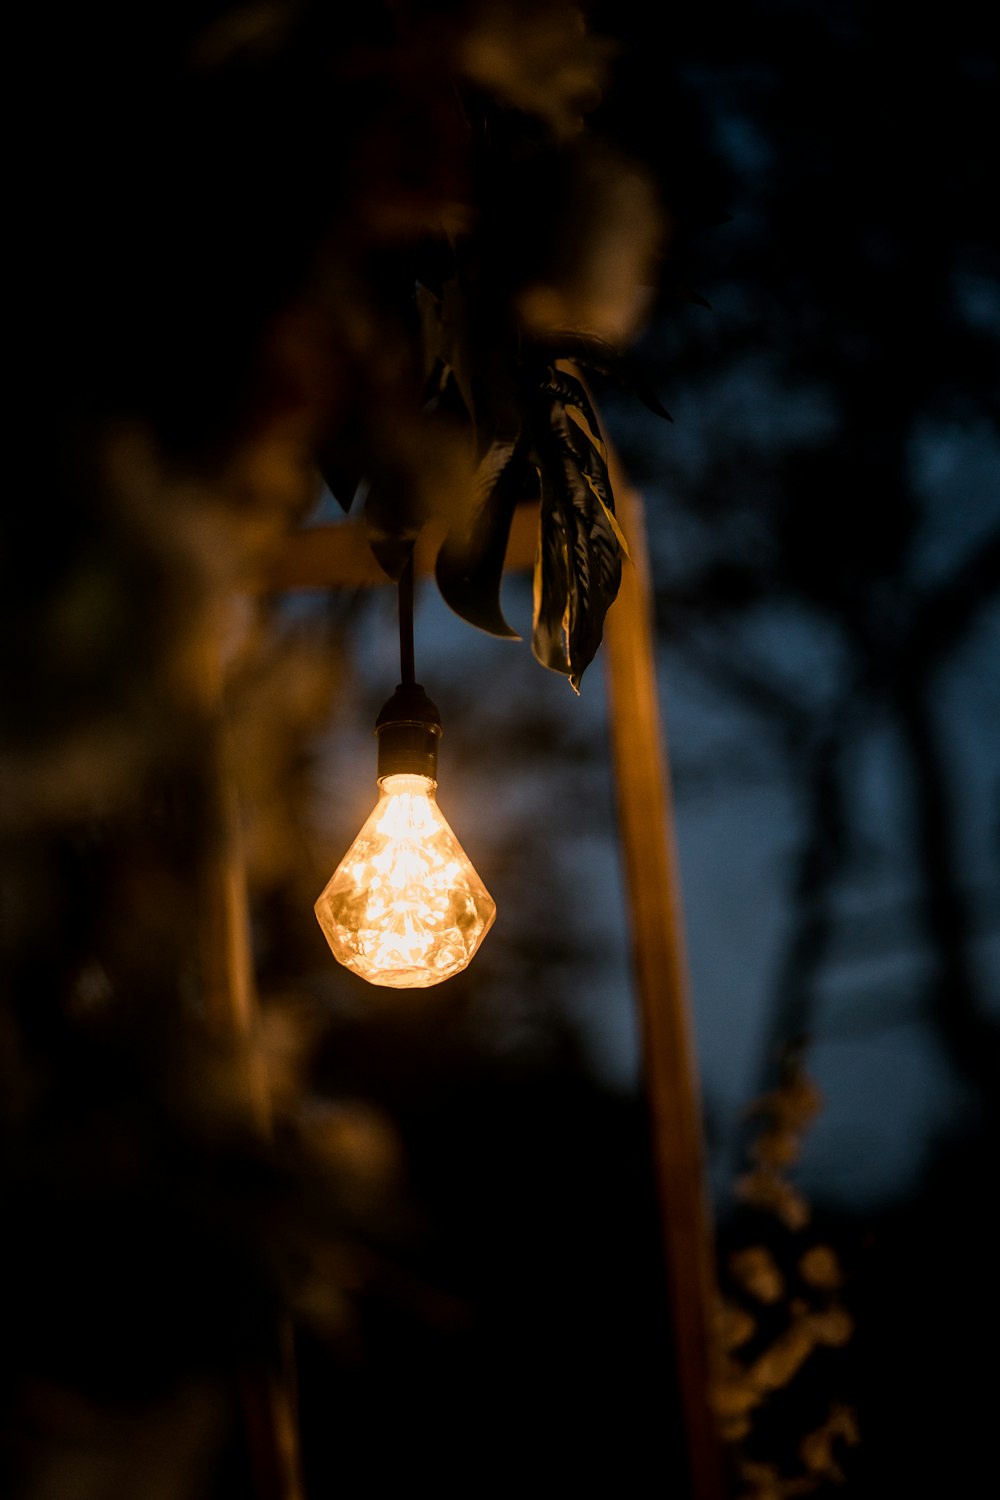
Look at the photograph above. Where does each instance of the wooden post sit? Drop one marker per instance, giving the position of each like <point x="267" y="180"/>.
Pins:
<point x="646" y="828"/>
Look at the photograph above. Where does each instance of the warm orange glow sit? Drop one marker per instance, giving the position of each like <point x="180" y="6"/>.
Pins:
<point x="404" y="907"/>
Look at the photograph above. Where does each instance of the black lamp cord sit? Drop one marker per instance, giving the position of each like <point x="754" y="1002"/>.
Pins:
<point x="409" y="725"/>
<point x="406" y="663"/>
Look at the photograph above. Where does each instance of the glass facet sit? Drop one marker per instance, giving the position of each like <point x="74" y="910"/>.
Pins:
<point x="404" y="907"/>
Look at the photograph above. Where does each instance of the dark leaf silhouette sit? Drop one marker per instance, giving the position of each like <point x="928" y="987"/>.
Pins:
<point x="578" y="564"/>
<point x="558" y="450"/>
<point x="469" y="567"/>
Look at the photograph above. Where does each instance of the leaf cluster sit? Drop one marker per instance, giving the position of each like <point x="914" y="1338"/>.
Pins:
<point x="521" y="297"/>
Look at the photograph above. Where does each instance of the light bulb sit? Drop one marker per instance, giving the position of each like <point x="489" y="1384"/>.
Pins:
<point x="405" y="907"/>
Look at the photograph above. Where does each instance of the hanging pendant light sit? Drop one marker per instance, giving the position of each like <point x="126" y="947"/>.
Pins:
<point x="404" y="907"/>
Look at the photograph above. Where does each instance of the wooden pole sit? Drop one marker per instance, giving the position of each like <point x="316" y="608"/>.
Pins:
<point x="646" y="828"/>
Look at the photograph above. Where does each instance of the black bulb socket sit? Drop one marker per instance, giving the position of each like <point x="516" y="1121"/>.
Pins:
<point x="408" y="729"/>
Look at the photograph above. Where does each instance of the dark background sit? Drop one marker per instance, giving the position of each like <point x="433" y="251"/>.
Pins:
<point x="456" y="1204"/>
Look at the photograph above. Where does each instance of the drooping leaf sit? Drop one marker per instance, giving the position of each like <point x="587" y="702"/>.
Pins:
<point x="550" y="633"/>
<point x="594" y="468"/>
<point x="579" y="559"/>
<point x="469" y="568"/>
<point x="563" y="387"/>
<point x="588" y="445"/>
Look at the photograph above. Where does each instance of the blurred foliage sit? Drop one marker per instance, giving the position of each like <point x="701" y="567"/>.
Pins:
<point x="778" y="1387"/>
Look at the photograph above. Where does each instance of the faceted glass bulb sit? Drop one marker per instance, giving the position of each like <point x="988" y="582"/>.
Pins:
<point x="405" y="907"/>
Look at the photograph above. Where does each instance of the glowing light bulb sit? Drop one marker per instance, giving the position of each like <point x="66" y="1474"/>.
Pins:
<point x="405" y="907"/>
